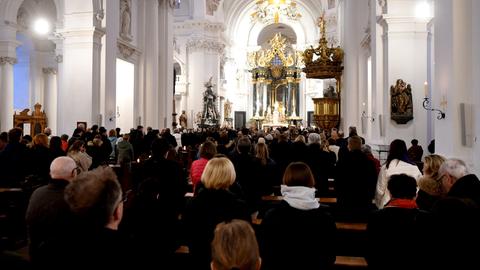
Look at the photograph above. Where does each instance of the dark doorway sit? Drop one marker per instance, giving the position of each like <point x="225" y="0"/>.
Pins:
<point x="310" y="118"/>
<point x="240" y="118"/>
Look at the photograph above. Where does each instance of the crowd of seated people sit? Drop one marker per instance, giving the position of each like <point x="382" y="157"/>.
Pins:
<point x="81" y="206"/>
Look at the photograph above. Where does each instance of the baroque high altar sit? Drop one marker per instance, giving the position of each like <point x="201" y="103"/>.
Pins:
<point x="276" y="73"/>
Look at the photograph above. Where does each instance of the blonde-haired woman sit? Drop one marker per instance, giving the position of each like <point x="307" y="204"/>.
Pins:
<point x="213" y="204"/>
<point x="40" y="158"/>
<point x="77" y="153"/>
<point x="430" y="185"/>
<point x="235" y="246"/>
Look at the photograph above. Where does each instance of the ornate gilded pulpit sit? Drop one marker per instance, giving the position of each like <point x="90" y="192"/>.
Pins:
<point x="325" y="62"/>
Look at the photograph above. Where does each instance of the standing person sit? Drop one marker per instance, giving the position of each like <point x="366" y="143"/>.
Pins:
<point x="207" y="151"/>
<point x="95" y="199"/>
<point x="125" y="153"/>
<point x="235" y="246"/>
<point x="355" y="181"/>
<point x="456" y="221"/>
<point x="400" y="223"/>
<point x="13" y="159"/>
<point x="213" y="204"/>
<point x="299" y="233"/>
<point x="48" y="214"/>
<point x="77" y="153"/>
<point x="430" y="186"/>
<point x="397" y="163"/>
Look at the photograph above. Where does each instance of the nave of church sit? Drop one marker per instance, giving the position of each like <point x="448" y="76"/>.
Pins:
<point x="82" y="78"/>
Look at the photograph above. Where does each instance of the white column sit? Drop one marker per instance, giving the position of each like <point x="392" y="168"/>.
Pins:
<point x="151" y="60"/>
<point x="6" y="92"/>
<point x="8" y="45"/>
<point x="50" y="97"/>
<point x="165" y="49"/>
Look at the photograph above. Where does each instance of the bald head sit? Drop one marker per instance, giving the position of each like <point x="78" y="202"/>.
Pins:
<point x="63" y="168"/>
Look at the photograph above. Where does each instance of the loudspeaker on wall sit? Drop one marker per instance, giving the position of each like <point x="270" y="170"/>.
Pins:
<point x="466" y="124"/>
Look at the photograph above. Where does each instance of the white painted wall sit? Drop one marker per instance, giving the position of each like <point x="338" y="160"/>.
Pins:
<point x="456" y="74"/>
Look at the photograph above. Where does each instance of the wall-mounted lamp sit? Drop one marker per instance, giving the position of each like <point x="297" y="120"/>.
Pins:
<point x="366" y="116"/>
<point x="427" y="104"/>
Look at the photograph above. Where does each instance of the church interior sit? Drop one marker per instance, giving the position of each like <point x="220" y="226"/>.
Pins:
<point x="143" y="86"/>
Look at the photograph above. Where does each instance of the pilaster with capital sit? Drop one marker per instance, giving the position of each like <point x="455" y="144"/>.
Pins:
<point x="50" y="96"/>
<point x="79" y="72"/>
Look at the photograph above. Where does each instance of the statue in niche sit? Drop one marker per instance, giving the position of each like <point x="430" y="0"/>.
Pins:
<point x="212" y="6"/>
<point x="329" y="92"/>
<point x="210" y="113"/>
<point x="183" y="120"/>
<point x="126" y="19"/>
<point x="401" y="102"/>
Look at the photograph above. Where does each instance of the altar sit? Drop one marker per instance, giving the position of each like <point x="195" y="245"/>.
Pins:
<point x="276" y="74"/>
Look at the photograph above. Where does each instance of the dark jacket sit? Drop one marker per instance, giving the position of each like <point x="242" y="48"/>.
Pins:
<point x="13" y="161"/>
<point x="48" y="215"/>
<point x="355" y="181"/>
<point x="297" y="239"/>
<point x="395" y="238"/>
<point x="467" y="187"/>
<point x="201" y="216"/>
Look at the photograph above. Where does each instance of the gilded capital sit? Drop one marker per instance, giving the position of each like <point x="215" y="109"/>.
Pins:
<point x="9" y="60"/>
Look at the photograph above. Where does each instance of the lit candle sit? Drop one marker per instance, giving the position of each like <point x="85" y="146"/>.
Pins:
<point x="426" y="88"/>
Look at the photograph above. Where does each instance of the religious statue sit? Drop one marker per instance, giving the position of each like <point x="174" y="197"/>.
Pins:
<point x="212" y="6"/>
<point x="125" y="19"/>
<point x="227" y="109"/>
<point x="183" y="120"/>
<point x="401" y="102"/>
<point x="329" y="92"/>
<point x="210" y="113"/>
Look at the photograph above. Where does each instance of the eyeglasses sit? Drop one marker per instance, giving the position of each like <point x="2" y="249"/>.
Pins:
<point x="125" y="195"/>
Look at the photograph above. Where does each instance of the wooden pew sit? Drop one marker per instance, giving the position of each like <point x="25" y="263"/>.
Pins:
<point x="341" y="262"/>
<point x="279" y="198"/>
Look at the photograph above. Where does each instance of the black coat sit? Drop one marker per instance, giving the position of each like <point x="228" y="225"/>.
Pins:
<point x="395" y="238"/>
<point x="297" y="239"/>
<point x="48" y="215"/>
<point x="202" y="215"/>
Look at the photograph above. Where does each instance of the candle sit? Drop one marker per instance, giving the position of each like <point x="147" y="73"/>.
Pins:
<point x="426" y="88"/>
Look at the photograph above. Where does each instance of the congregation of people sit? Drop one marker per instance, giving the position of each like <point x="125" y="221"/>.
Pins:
<point x="132" y="199"/>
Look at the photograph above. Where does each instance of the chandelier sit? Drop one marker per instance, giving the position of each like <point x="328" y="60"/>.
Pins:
<point x="267" y="11"/>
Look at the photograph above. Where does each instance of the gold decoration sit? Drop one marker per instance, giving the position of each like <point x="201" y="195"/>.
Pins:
<point x="268" y="11"/>
<point x="328" y="62"/>
<point x="325" y="62"/>
<point x="278" y="45"/>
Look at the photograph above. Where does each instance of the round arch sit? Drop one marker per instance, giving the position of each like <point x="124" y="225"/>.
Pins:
<point x="242" y="32"/>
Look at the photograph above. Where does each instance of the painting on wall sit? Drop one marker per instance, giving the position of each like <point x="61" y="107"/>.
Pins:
<point x="401" y="102"/>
